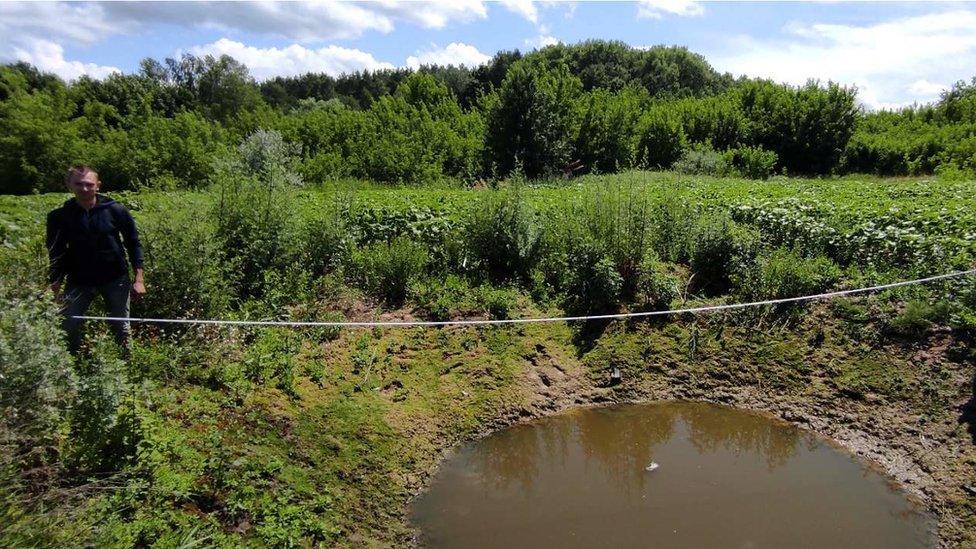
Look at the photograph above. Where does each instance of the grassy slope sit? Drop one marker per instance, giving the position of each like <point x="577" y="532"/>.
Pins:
<point x="336" y="462"/>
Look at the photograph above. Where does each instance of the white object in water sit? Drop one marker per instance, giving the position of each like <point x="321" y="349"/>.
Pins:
<point x="651" y="467"/>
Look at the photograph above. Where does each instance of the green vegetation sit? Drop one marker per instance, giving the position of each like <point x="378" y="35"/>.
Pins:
<point x="272" y="201"/>
<point x="603" y="105"/>
<point x="294" y="437"/>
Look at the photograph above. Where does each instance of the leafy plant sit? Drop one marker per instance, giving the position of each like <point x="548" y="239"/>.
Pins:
<point x="387" y="270"/>
<point x="502" y="233"/>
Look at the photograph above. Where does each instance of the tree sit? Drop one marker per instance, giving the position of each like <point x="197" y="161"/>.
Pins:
<point x="532" y="121"/>
<point x="225" y="88"/>
<point x="807" y="127"/>
<point x="607" y="133"/>
<point x="37" y="142"/>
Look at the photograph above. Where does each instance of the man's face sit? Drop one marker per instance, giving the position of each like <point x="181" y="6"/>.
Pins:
<point x="84" y="185"/>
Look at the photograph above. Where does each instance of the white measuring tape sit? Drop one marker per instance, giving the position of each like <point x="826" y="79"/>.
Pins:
<point x="409" y="323"/>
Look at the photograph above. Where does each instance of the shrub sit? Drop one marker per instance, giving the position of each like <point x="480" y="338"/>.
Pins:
<point x="498" y="302"/>
<point x="660" y="139"/>
<point x="965" y="315"/>
<point x="808" y="127"/>
<point x="592" y="284"/>
<point x="701" y="160"/>
<point x="615" y="217"/>
<point x="658" y="285"/>
<point x="386" y="270"/>
<point x="502" y="233"/>
<point x="672" y="226"/>
<point x="105" y="426"/>
<point x="721" y="249"/>
<point x="532" y="119"/>
<point x="270" y="358"/>
<point x="782" y="273"/>
<point x="37" y="382"/>
<point x="327" y="237"/>
<point x="606" y="141"/>
<point x="184" y="267"/>
<point x="156" y="152"/>
<point x="750" y="162"/>
<point x="254" y="209"/>
<point x="441" y="298"/>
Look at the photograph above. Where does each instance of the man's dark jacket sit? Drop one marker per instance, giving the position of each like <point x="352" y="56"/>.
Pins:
<point x="87" y="246"/>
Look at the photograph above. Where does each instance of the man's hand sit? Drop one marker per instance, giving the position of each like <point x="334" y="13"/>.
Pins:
<point x="138" y="286"/>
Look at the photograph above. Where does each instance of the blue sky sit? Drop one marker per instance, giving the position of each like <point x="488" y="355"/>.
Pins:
<point x="895" y="53"/>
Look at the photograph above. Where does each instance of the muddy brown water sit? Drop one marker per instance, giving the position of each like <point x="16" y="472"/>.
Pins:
<point x="725" y="478"/>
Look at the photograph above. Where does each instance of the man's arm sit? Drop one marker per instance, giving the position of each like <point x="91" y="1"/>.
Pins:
<point x="57" y="248"/>
<point x="130" y="235"/>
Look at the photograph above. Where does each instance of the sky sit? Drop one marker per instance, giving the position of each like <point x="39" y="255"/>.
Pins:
<point x="895" y="53"/>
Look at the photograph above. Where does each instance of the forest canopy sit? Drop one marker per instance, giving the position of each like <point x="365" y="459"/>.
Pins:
<point x="601" y="104"/>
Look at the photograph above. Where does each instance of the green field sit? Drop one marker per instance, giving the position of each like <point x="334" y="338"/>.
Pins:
<point x="298" y="437"/>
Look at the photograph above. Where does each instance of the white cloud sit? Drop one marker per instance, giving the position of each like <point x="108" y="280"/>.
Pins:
<point x="570" y="10"/>
<point x="525" y="8"/>
<point x="293" y="60"/>
<point x="307" y="21"/>
<point x="456" y="53"/>
<point x="49" y="57"/>
<point x="655" y="9"/>
<point x="27" y="29"/>
<point x="925" y="88"/>
<point x="882" y="60"/>
<point x="21" y="22"/>
<point x="542" y="41"/>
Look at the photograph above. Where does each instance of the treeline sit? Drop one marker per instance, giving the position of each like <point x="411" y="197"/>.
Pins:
<point x="939" y="138"/>
<point x="606" y="105"/>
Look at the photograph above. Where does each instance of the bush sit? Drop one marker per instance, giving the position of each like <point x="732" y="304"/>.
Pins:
<point x="156" y="152"/>
<point x="386" y="270"/>
<point x="532" y="120"/>
<point x="105" y="426"/>
<point x="702" y="160"/>
<point x="721" y="249"/>
<point x="327" y="237"/>
<point x="615" y="217"/>
<point x="591" y="283"/>
<point x="750" y="162"/>
<point x="270" y="358"/>
<point x="660" y="139"/>
<point x="606" y="141"/>
<point x="441" y="298"/>
<point x="965" y="315"/>
<point x="672" y="222"/>
<point x="498" y="302"/>
<point x="502" y="234"/>
<point x="37" y="382"/>
<point x="184" y="266"/>
<point x="808" y="127"/>
<point x="782" y="273"/>
<point x="657" y="286"/>
<point x="254" y="209"/>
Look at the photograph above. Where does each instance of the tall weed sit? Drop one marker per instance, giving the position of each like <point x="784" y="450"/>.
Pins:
<point x="503" y="234"/>
<point x="386" y="270"/>
<point x="255" y="210"/>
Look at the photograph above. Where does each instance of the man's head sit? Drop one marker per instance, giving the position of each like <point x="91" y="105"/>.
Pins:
<point x="83" y="182"/>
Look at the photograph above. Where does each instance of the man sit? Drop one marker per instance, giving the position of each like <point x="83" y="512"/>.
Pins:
<point x="85" y="245"/>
